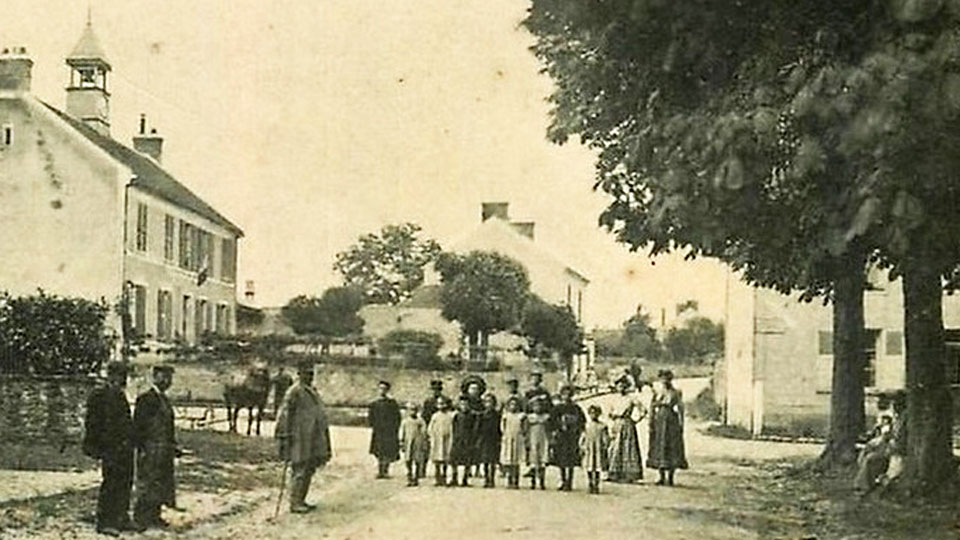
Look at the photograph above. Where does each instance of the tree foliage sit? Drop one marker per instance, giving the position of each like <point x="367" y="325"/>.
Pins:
<point x="794" y="140"/>
<point x="332" y="315"/>
<point x="483" y="291"/>
<point x="698" y="340"/>
<point x="387" y="266"/>
<point x="45" y="334"/>
<point x="550" y="329"/>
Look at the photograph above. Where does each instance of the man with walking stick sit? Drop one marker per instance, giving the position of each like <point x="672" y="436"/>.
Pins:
<point x="303" y="435"/>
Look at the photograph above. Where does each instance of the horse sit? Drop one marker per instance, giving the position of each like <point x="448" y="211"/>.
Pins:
<point x="248" y="392"/>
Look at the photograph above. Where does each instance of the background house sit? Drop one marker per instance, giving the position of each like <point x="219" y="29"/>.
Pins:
<point x="778" y="361"/>
<point x="85" y="215"/>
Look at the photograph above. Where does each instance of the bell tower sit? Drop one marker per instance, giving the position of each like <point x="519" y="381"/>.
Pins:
<point x="88" y="99"/>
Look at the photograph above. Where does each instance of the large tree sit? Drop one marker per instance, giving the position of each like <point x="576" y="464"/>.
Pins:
<point x="387" y="266"/>
<point x="697" y="341"/>
<point x="484" y="292"/>
<point x="332" y="315"/>
<point x="686" y="105"/>
<point x="796" y="140"/>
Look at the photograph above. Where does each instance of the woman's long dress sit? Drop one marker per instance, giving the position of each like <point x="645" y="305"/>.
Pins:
<point x="489" y="436"/>
<point x="666" y="431"/>
<point x="538" y="439"/>
<point x="626" y="463"/>
<point x="513" y="427"/>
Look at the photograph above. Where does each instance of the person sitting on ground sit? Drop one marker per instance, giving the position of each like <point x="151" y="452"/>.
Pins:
<point x="874" y="458"/>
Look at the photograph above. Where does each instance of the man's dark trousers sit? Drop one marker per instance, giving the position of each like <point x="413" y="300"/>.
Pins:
<point x="113" y="502"/>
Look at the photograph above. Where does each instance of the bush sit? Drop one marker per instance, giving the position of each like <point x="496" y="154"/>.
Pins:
<point x="704" y="407"/>
<point x="413" y="345"/>
<point x="51" y="335"/>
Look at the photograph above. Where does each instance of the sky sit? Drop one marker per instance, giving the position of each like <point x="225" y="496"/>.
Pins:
<point x="311" y="122"/>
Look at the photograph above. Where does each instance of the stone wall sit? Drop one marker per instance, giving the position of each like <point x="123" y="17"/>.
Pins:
<point x="43" y="410"/>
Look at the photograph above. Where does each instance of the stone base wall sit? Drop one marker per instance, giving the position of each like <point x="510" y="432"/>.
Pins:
<point x="43" y="410"/>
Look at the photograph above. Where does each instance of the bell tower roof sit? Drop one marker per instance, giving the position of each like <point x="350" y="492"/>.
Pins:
<point x="88" y="50"/>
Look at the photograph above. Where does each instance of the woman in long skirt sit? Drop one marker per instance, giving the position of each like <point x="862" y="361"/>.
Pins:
<point x="667" y="452"/>
<point x="626" y="463"/>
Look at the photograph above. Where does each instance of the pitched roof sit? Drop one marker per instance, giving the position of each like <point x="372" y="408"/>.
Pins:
<point x="149" y="176"/>
<point x="88" y="48"/>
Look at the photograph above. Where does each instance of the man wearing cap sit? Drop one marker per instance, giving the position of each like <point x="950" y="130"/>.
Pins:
<point x="384" y="417"/>
<point x="108" y="428"/>
<point x="303" y="434"/>
<point x="156" y="445"/>
<point x="430" y="404"/>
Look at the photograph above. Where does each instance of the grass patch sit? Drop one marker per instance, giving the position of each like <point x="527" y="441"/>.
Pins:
<point x="728" y="431"/>
<point x="44" y="456"/>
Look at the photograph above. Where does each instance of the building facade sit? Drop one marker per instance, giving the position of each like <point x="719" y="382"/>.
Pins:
<point x="85" y="215"/>
<point x="777" y="370"/>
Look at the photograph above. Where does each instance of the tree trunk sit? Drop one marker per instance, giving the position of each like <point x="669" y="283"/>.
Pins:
<point x="846" y="395"/>
<point x="929" y="463"/>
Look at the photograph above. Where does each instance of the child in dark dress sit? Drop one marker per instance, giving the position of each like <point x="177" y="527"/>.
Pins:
<point x="464" y="441"/>
<point x="488" y="436"/>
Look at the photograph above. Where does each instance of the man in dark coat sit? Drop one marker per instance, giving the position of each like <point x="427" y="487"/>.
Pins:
<point x="513" y="391"/>
<point x="156" y="445"/>
<point x="430" y="404"/>
<point x="108" y="429"/>
<point x="537" y="391"/>
<point x="281" y="383"/>
<point x="304" y="436"/>
<point x="384" y="418"/>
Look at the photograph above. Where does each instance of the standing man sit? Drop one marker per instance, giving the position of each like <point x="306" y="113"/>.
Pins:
<point x="537" y="390"/>
<point x="430" y="404"/>
<point x="384" y="417"/>
<point x="156" y="445"/>
<point x="303" y="435"/>
<point x="108" y="430"/>
<point x="281" y="383"/>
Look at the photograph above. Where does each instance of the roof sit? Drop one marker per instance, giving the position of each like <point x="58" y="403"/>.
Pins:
<point x="529" y="243"/>
<point x="88" y="48"/>
<point x="149" y="176"/>
<point x="424" y="296"/>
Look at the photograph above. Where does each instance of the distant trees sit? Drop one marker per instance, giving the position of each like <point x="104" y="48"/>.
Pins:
<point x="484" y="292"/>
<point x="414" y="345"/>
<point x="332" y="315"/>
<point x="697" y="340"/>
<point x="635" y="339"/>
<point x="387" y="266"/>
<point x="45" y="334"/>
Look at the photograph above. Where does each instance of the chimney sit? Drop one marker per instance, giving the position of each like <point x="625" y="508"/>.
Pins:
<point x="524" y="227"/>
<point x="495" y="210"/>
<point x="150" y="144"/>
<point x="15" y="68"/>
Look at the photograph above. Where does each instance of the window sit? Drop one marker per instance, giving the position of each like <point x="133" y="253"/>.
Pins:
<point x="7" y="135"/>
<point x="185" y="316"/>
<point x="228" y="260"/>
<point x="138" y="309"/>
<point x="579" y="306"/>
<point x="894" y="345"/>
<point x="825" y="343"/>
<point x="871" y="345"/>
<point x="185" y="253"/>
<point x="169" y="230"/>
<point x="208" y="318"/>
<point x="198" y="317"/>
<point x="164" y="315"/>
<point x="141" y="227"/>
<point x="222" y="319"/>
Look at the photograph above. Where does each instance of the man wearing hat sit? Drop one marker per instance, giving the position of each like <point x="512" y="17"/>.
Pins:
<point x="513" y="391"/>
<point x="156" y="445"/>
<point x="304" y="436"/>
<point x="108" y="428"/>
<point x="384" y="417"/>
<point x="430" y="404"/>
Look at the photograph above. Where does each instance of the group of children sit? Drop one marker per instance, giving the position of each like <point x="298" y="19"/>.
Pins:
<point x="476" y="437"/>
